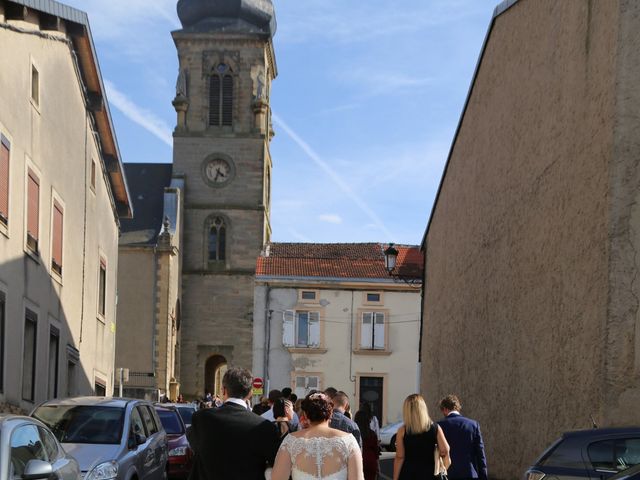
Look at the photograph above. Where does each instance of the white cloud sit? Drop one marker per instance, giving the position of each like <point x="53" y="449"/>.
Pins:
<point x="146" y="119"/>
<point x="330" y="218"/>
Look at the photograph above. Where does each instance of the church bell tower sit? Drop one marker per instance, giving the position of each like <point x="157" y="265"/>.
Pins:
<point x="221" y="148"/>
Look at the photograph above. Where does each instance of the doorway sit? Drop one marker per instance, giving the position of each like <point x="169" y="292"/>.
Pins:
<point x="371" y="392"/>
<point x="214" y="369"/>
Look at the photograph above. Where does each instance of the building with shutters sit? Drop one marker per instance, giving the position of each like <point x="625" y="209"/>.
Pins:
<point x="62" y="195"/>
<point x="330" y="315"/>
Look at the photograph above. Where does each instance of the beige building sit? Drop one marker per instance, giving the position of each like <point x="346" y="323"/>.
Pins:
<point x="221" y="148"/>
<point x="531" y="310"/>
<point x="62" y="194"/>
<point x="331" y="315"/>
<point x="149" y="280"/>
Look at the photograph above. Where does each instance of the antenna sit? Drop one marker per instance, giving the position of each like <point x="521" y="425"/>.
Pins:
<point x="593" y="422"/>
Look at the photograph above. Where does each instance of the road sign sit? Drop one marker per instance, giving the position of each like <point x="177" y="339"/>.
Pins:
<point x="258" y="383"/>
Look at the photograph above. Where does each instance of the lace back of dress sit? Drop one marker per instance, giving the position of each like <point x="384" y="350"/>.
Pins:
<point x="319" y="457"/>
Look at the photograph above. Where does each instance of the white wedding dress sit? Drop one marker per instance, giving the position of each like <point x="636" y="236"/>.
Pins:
<point x="323" y="458"/>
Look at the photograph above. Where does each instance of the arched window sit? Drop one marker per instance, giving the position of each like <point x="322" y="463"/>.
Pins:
<point x="221" y="96"/>
<point x="217" y="240"/>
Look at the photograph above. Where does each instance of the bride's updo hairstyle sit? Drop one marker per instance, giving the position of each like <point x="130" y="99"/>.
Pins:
<point x="317" y="407"/>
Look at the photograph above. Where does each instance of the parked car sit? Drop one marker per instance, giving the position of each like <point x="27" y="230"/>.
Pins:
<point x="180" y="453"/>
<point x="111" y="438"/>
<point x="388" y="436"/>
<point x="186" y="411"/>
<point x="599" y="453"/>
<point x="28" y="449"/>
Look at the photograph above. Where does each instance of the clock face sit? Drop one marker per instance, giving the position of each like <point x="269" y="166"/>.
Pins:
<point x="218" y="171"/>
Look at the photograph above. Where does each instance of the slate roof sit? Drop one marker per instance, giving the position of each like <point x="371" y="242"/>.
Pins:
<point x="147" y="182"/>
<point x="336" y="260"/>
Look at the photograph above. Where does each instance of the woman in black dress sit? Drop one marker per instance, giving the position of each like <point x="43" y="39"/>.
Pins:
<point x="416" y="441"/>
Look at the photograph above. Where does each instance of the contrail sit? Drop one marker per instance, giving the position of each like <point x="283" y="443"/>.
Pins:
<point x="147" y="120"/>
<point x="333" y="175"/>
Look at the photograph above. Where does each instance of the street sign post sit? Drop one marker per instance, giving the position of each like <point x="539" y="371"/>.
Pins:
<point x="258" y="386"/>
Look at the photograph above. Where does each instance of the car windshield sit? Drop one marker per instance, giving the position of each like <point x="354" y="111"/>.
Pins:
<point x="186" y="413"/>
<point x="83" y="423"/>
<point x="171" y="422"/>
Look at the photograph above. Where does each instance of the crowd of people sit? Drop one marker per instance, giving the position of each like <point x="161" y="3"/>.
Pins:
<point x="314" y="438"/>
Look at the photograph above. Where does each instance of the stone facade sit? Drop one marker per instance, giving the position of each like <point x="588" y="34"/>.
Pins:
<point x="49" y="73"/>
<point x="218" y="295"/>
<point x="531" y="304"/>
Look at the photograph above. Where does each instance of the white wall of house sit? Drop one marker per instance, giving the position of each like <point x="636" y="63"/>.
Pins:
<point x="53" y="137"/>
<point x="322" y="341"/>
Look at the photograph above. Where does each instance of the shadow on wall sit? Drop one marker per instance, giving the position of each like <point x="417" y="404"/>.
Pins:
<point x="40" y="341"/>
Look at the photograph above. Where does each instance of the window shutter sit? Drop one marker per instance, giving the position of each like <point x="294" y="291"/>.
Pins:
<point x="33" y="205"/>
<point x="227" y="100"/>
<point x="58" y="222"/>
<point x="4" y="181"/>
<point x="287" y="328"/>
<point x="378" y="332"/>
<point x="313" y="383"/>
<point x="214" y="100"/>
<point x="314" y="329"/>
<point x="366" y="331"/>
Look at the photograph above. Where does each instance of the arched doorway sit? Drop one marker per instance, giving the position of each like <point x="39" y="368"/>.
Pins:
<point x="214" y="370"/>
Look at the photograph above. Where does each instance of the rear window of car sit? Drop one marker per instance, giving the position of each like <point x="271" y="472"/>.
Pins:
<point x="186" y="413"/>
<point x="564" y="453"/>
<point x="614" y="454"/>
<point x="171" y="421"/>
<point x="90" y="424"/>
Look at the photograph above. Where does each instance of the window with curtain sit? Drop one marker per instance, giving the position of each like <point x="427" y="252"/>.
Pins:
<point x="221" y="96"/>
<point x="217" y="240"/>
<point x="372" y="331"/>
<point x="301" y="329"/>
<point x="33" y="211"/>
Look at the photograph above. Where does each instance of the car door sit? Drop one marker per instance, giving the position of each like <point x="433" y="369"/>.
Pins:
<point x="65" y="467"/>
<point x="26" y="445"/>
<point x="132" y="462"/>
<point x="610" y="456"/>
<point x="160" y="445"/>
<point x="151" y="459"/>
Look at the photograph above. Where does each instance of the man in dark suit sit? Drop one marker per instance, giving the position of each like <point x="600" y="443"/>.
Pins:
<point x="465" y="441"/>
<point x="339" y="420"/>
<point x="231" y="442"/>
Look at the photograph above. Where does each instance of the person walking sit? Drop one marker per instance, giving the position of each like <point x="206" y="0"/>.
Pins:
<point x="283" y="413"/>
<point x="468" y="460"/>
<point x="231" y="442"/>
<point x="416" y="442"/>
<point x="318" y="451"/>
<point x="339" y="420"/>
<point x="268" y="415"/>
<point x="370" y="447"/>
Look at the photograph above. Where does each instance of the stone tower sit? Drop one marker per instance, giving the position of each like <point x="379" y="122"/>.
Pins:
<point x="221" y="148"/>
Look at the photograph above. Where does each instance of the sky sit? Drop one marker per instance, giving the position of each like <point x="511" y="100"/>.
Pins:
<point x="366" y="103"/>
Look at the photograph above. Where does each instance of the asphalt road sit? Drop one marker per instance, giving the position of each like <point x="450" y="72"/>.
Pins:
<point x="386" y="465"/>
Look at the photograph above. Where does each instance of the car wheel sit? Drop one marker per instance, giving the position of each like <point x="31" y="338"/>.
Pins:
<point x="392" y="444"/>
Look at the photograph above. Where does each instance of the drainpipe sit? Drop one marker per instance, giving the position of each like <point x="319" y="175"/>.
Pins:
<point x="267" y="337"/>
<point x="422" y="291"/>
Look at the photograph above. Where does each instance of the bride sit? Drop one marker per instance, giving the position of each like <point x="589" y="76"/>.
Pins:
<point x="318" y="452"/>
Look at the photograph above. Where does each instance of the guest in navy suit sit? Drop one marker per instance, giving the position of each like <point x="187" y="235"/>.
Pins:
<point x="468" y="460"/>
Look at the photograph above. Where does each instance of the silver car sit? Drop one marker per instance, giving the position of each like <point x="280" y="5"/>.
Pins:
<point x="28" y="449"/>
<point x="112" y="438"/>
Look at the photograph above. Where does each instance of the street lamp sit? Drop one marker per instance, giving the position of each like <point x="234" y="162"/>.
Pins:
<point x="391" y="262"/>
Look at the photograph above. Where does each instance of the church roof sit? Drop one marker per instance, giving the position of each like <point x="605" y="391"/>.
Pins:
<point x="147" y="182"/>
<point x="233" y="16"/>
<point x="363" y="261"/>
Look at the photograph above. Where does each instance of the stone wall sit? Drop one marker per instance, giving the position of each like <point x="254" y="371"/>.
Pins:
<point x="517" y="250"/>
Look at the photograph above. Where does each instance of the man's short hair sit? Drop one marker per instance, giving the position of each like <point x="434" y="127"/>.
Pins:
<point x="274" y="395"/>
<point x="286" y="392"/>
<point x="330" y="392"/>
<point x="238" y="382"/>
<point x="340" y="400"/>
<point x="450" y="402"/>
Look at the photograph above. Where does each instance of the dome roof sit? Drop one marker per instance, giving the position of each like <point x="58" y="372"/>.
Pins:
<point x="244" y="16"/>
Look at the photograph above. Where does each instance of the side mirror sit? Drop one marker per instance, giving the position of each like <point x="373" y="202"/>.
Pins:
<point x="37" y="469"/>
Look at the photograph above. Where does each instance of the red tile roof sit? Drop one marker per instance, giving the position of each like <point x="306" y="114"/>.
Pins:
<point x="337" y="260"/>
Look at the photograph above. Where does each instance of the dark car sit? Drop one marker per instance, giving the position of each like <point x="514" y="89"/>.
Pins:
<point x="180" y="453"/>
<point x="599" y="453"/>
<point x="632" y="473"/>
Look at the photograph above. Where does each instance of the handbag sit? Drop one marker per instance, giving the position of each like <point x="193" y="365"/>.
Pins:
<point x="440" y="470"/>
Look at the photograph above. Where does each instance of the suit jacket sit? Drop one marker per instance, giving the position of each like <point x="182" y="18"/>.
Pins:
<point x="467" y="448"/>
<point x="340" y="421"/>
<point x="231" y="443"/>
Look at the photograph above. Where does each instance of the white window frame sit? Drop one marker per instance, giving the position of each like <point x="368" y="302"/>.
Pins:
<point x="370" y="336"/>
<point x="308" y="386"/>
<point x="290" y="329"/>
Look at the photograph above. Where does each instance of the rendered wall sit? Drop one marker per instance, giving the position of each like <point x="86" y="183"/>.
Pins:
<point x="517" y="251"/>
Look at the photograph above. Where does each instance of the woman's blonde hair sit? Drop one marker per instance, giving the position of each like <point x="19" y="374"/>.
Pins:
<point x="415" y="414"/>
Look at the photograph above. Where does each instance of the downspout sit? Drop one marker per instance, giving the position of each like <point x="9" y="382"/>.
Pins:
<point x="351" y="377"/>
<point x="422" y="292"/>
<point x="267" y="338"/>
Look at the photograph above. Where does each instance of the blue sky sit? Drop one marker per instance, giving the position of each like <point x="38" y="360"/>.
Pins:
<point x="367" y="100"/>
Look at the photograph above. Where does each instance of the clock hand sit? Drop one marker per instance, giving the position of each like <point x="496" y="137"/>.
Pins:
<point x="219" y="172"/>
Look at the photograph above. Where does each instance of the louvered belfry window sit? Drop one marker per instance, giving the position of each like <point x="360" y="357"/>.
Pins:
<point x="217" y="240"/>
<point x="221" y="96"/>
